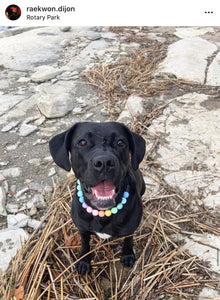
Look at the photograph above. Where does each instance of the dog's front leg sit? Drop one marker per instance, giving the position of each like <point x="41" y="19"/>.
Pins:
<point x="84" y="265"/>
<point x="128" y="257"/>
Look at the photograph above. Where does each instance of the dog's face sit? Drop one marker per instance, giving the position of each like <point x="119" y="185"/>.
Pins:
<point x="100" y="155"/>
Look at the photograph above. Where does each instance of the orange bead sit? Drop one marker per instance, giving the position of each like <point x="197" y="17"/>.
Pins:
<point x="101" y="213"/>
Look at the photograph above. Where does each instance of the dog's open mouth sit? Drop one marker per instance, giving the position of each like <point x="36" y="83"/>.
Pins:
<point x="104" y="190"/>
<point x="102" y="195"/>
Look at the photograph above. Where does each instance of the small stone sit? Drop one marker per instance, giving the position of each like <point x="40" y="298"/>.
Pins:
<point x="40" y="142"/>
<point x="45" y="73"/>
<point x="33" y="223"/>
<point x="12" y="208"/>
<point x="35" y="186"/>
<point x="37" y="201"/>
<point x="51" y="172"/>
<point x="10" y="242"/>
<point x="21" y="192"/>
<point x="55" y="102"/>
<point x="91" y="35"/>
<point x="27" y="129"/>
<point x="40" y="121"/>
<point x="77" y="110"/>
<point x="10" y="126"/>
<point x="2" y="202"/>
<point x="13" y="147"/>
<point x="33" y="211"/>
<point x="89" y="115"/>
<point x="23" y="80"/>
<point x="11" y="172"/>
<point x="104" y="113"/>
<point x="65" y="43"/>
<point x="134" y="106"/>
<point x="35" y="162"/>
<point x="65" y="28"/>
<point x="19" y="220"/>
<point x="4" y="163"/>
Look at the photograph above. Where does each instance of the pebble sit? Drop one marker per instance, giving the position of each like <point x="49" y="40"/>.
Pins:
<point x="12" y="208"/>
<point x="91" y="35"/>
<point x="35" y="186"/>
<point x="52" y="172"/>
<point x="37" y="201"/>
<point x="65" y="28"/>
<point x="10" y="126"/>
<point x="21" y="192"/>
<point x="45" y="73"/>
<point x="11" y="172"/>
<point x="33" y="223"/>
<point x="27" y="129"/>
<point x="35" y="162"/>
<point x="20" y="220"/>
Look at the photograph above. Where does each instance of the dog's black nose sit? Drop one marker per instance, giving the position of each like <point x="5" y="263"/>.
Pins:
<point x="101" y="163"/>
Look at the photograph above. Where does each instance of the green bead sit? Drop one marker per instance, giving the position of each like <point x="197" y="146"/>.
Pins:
<point x="120" y="206"/>
<point x="114" y="210"/>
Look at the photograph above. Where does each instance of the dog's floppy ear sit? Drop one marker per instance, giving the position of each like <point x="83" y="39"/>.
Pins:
<point x="137" y="148"/>
<point x="60" y="146"/>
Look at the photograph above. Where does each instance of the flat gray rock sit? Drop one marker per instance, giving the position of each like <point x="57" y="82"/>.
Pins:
<point x="187" y="59"/>
<point x="27" y="129"/>
<point x="45" y="73"/>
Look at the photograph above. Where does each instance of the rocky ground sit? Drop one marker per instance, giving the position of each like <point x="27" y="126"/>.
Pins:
<point x="42" y="92"/>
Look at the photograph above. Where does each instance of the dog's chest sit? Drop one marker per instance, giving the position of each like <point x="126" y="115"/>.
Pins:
<point x="103" y="236"/>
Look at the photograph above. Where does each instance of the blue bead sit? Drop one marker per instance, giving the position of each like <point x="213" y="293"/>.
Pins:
<point x="120" y="206"/>
<point x="79" y="188"/>
<point x="124" y="201"/>
<point x="79" y="194"/>
<point x="81" y="199"/>
<point x="78" y="182"/>
<point x="125" y="195"/>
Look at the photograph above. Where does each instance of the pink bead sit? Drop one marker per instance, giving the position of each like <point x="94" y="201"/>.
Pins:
<point x="95" y="212"/>
<point x="89" y="209"/>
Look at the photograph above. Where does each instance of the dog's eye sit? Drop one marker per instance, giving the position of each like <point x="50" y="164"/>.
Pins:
<point x="121" y="143"/>
<point x="82" y="143"/>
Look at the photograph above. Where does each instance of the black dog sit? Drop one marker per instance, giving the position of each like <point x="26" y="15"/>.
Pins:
<point x="107" y="202"/>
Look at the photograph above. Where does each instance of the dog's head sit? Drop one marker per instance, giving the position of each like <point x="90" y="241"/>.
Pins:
<point x="100" y="155"/>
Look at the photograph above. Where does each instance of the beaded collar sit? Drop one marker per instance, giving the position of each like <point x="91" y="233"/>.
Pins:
<point x="100" y="213"/>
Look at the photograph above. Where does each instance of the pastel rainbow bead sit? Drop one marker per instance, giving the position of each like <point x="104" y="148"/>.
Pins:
<point x="101" y="213"/>
<point x="108" y="213"/>
<point x="89" y="209"/>
<point x="114" y="210"/>
<point x="95" y="212"/>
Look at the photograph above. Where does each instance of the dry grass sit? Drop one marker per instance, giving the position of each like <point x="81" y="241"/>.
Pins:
<point x="44" y="267"/>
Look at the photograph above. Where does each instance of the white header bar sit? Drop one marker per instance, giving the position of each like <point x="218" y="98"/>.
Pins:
<point x="113" y="13"/>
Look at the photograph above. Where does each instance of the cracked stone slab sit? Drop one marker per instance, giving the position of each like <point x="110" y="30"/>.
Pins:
<point x="187" y="59"/>
<point x="205" y="247"/>
<point x="189" y="149"/>
<point x="10" y="242"/>
<point x="189" y="130"/>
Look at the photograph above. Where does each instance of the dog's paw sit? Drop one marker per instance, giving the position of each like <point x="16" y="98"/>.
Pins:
<point x="128" y="260"/>
<point x="83" y="267"/>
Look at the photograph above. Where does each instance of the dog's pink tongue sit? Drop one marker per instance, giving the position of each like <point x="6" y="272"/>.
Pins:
<point x="104" y="189"/>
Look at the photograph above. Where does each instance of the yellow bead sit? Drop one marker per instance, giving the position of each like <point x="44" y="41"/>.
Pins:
<point x="108" y="213"/>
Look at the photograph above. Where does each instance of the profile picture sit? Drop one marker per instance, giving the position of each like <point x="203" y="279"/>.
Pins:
<point x="13" y="12"/>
